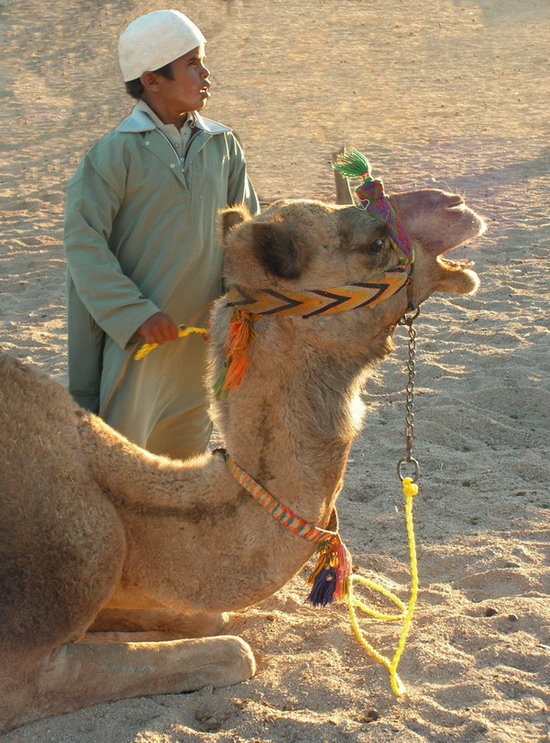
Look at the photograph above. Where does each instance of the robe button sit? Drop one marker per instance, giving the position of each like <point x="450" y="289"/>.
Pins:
<point x="172" y="165"/>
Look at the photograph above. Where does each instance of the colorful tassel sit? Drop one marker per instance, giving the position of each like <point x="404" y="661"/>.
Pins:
<point x="324" y="587"/>
<point x="354" y="164"/>
<point x="330" y="578"/>
<point x="241" y="334"/>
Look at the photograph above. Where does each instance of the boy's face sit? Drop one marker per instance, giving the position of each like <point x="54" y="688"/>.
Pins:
<point x="187" y="92"/>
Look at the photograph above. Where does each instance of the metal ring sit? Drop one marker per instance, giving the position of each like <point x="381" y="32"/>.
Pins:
<point x="415" y="465"/>
<point x="410" y="314"/>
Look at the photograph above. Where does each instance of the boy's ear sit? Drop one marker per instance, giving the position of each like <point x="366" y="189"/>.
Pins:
<point x="232" y="216"/>
<point x="149" y="80"/>
<point x="277" y="251"/>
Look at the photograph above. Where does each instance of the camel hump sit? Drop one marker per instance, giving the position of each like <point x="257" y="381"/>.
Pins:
<point x="21" y="384"/>
<point x="58" y="531"/>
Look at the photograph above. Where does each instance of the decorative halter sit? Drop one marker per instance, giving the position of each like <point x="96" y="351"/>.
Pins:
<point x="309" y="303"/>
<point x="354" y="164"/>
<point x="332" y="578"/>
<point x="248" y="304"/>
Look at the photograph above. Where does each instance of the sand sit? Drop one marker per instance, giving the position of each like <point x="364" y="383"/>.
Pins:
<point x="443" y="93"/>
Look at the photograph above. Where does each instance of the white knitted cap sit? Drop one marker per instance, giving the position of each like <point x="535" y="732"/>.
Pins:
<point x="152" y="40"/>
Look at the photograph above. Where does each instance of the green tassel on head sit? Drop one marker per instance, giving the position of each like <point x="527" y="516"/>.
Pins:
<point x="352" y="164"/>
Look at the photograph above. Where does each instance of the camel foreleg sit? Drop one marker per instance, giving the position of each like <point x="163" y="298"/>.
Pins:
<point x="173" y="623"/>
<point x="81" y="674"/>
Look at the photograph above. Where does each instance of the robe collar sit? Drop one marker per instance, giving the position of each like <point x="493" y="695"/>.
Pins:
<point x="138" y="121"/>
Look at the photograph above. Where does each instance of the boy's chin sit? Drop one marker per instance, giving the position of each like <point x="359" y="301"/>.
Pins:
<point x="198" y="107"/>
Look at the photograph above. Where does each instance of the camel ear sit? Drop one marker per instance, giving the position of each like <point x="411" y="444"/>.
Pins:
<point x="276" y="250"/>
<point x="232" y="216"/>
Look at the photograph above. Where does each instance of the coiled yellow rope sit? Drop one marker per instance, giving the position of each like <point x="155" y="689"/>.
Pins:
<point x="410" y="489"/>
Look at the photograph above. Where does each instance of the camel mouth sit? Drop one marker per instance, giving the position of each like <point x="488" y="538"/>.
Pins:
<point x="457" y="263"/>
<point x="455" y="274"/>
<point x="470" y="225"/>
<point x="460" y="278"/>
<point x="456" y="202"/>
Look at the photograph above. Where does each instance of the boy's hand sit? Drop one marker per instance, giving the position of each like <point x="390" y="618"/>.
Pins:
<point x="159" y="328"/>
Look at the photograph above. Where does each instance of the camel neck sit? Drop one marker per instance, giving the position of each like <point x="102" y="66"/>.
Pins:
<point x="291" y="423"/>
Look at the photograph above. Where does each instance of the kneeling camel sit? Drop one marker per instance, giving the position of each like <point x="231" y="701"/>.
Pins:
<point x="99" y="534"/>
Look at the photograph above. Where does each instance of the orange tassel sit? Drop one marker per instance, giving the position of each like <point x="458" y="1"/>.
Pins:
<point x="241" y="334"/>
<point x="235" y="371"/>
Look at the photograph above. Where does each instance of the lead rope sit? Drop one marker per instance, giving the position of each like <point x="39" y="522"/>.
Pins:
<point x="410" y="489"/>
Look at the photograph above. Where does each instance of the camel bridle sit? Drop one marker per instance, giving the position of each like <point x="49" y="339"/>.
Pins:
<point x="332" y="578"/>
<point x="249" y="304"/>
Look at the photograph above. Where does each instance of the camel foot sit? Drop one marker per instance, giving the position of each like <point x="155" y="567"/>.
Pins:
<point x="79" y="675"/>
<point x="165" y="621"/>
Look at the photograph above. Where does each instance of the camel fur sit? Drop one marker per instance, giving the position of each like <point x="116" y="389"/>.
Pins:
<point x="99" y="534"/>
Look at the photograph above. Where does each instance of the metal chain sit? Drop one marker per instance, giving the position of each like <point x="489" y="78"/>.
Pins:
<point x="409" y="460"/>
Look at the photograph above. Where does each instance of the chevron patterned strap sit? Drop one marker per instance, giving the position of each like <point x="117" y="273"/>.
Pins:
<point x="318" y="301"/>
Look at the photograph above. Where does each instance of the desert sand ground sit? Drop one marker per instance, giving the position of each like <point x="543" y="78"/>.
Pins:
<point x="444" y="93"/>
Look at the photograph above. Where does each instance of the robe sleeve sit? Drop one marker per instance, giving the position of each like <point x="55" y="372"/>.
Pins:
<point x="94" y="196"/>
<point x="239" y="188"/>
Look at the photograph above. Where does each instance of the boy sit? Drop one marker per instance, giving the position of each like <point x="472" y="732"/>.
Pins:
<point x="141" y="242"/>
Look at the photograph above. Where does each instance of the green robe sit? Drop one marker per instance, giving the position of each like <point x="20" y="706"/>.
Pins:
<point x="141" y="235"/>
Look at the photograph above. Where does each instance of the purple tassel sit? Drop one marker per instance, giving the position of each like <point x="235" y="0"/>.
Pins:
<point x="324" y="587"/>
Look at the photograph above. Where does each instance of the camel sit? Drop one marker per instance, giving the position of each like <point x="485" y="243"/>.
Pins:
<point x="98" y="534"/>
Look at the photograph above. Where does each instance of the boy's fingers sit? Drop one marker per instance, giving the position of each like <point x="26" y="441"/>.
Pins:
<point x="159" y="328"/>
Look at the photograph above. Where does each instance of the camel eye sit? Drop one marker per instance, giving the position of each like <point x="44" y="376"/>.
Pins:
<point x="377" y="246"/>
<point x="373" y="251"/>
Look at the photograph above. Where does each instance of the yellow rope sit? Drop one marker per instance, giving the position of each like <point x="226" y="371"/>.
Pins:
<point x="183" y="330"/>
<point x="410" y="489"/>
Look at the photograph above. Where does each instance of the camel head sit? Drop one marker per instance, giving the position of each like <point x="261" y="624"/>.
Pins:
<point x="310" y="245"/>
<point x="302" y="248"/>
<point x="327" y="284"/>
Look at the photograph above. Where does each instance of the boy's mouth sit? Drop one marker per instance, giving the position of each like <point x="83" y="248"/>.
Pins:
<point x="205" y="92"/>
